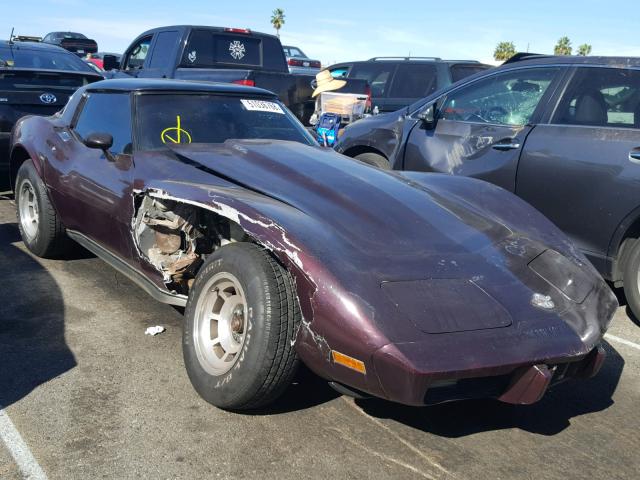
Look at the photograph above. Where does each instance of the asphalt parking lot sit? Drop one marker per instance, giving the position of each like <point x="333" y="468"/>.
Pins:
<point x="85" y="394"/>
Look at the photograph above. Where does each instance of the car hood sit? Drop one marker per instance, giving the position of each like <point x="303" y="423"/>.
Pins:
<point x="405" y="249"/>
<point x="365" y="208"/>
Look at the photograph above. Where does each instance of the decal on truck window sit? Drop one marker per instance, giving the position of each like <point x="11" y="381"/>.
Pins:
<point x="192" y="56"/>
<point x="175" y="134"/>
<point x="262" y="106"/>
<point x="236" y="49"/>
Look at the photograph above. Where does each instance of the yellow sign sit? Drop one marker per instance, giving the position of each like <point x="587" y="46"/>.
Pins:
<point x="178" y="134"/>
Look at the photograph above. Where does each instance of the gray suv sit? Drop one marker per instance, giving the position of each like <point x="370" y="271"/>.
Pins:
<point x="563" y="133"/>
<point x="399" y="81"/>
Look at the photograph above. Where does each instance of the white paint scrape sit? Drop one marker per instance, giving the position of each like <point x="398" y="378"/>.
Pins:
<point x="19" y="450"/>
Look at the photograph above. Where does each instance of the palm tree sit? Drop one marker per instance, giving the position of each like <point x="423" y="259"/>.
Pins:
<point x="584" y="49"/>
<point x="504" y="51"/>
<point x="563" y="47"/>
<point x="277" y="20"/>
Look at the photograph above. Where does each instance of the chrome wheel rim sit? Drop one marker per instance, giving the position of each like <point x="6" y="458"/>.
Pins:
<point x="220" y="324"/>
<point x="28" y="209"/>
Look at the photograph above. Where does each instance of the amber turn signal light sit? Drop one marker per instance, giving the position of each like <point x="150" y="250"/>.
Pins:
<point x="349" y="362"/>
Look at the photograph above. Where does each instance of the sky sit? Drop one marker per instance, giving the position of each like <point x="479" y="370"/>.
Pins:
<point x="335" y="31"/>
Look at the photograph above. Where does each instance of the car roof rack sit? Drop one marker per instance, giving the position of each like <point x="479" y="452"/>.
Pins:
<point x="376" y="59"/>
<point x="461" y="61"/>
<point x="25" y="38"/>
<point x="518" y="57"/>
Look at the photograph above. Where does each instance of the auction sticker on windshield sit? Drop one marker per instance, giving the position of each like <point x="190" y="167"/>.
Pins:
<point x="262" y="106"/>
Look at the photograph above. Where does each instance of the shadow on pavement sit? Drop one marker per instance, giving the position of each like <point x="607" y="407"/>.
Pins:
<point x="32" y="344"/>
<point x="306" y="391"/>
<point x="548" y="417"/>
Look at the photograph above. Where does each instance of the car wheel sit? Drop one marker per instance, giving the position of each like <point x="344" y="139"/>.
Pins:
<point x="631" y="279"/>
<point x="375" y="160"/>
<point x="40" y="227"/>
<point x="240" y="325"/>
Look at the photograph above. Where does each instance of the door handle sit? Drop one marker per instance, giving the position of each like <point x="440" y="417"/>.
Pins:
<point x="634" y="156"/>
<point x="506" y="145"/>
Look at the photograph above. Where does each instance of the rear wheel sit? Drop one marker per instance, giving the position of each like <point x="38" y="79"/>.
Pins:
<point x="40" y="227"/>
<point x="374" y="159"/>
<point x="240" y="324"/>
<point x="631" y="279"/>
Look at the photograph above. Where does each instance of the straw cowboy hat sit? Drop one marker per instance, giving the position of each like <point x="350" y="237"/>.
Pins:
<point x="326" y="83"/>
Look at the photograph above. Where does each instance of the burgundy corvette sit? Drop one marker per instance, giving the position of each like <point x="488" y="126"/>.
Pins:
<point x="413" y="287"/>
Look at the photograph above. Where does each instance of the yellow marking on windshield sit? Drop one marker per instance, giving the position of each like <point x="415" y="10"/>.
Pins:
<point x="166" y="138"/>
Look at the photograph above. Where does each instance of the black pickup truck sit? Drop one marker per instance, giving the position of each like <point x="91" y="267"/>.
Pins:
<point x="230" y="55"/>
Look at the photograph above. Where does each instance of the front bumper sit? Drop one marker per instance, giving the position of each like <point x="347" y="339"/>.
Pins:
<point x="523" y="385"/>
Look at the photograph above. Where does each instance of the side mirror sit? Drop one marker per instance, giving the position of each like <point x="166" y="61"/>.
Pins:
<point x="102" y="141"/>
<point x="428" y="116"/>
<point x="110" y="62"/>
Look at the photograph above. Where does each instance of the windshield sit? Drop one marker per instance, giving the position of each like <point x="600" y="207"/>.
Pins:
<point x="19" y="57"/>
<point x="168" y="119"/>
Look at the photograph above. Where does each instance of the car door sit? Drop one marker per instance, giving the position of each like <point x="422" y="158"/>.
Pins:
<point x="162" y="57"/>
<point x="581" y="169"/>
<point x="94" y="188"/>
<point x="481" y="126"/>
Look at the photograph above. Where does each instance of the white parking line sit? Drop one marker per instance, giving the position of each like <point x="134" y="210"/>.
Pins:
<point x="18" y="449"/>
<point x="608" y="336"/>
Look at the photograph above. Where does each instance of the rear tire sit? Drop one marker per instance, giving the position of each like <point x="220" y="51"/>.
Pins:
<point x="631" y="279"/>
<point x="375" y="160"/>
<point x="40" y="227"/>
<point x="239" y="326"/>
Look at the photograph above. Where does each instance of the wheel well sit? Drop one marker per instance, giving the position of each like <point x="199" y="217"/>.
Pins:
<point x="355" y="151"/>
<point x="175" y="237"/>
<point x="18" y="156"/>
<point x="628" y="240"/>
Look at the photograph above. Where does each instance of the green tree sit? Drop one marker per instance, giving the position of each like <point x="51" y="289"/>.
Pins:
<point x="563" y="47"/>
<point x="277" y="20"/>
<point x="584" y="49"/>
<point x="504" y="51"/>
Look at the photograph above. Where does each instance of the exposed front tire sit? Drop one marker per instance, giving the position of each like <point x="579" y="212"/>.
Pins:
<point x="375" y="160"/>
<point x="631" y="279"/>
<point x="240" y="322"/>
<point x="40" y="227"/>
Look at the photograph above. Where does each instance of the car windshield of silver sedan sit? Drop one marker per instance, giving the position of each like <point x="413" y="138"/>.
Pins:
<point x="170" y="119"/>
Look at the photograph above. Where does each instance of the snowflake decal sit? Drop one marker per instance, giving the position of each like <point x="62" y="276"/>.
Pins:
<point x="236" y="49"/>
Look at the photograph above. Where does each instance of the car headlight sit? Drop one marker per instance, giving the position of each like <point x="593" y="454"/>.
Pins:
<point x="571" y="279"/>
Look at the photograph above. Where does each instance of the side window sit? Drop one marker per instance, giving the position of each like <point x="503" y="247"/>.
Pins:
<point x="137" y="55"/>
<point x="414" y="81"/>
<point x="508" y="98"/>
<point x="376" y="74"/>
<point x="107" y="113"/>
<point x="340" y="72"/>
<point x="602" y="97"/>
<point x="199" y="49"/>
<point x="163" y="51"/>
<point x="458" y="72"/>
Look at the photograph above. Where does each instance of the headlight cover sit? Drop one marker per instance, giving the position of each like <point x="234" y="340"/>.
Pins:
<point x="563" y="274"/>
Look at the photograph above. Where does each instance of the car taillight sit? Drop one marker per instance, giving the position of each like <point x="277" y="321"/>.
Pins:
<point x="247" y="82"/>
<point x="294" y="63"/>
<point x="315" y="64"/>
<point x="237" y="30"/>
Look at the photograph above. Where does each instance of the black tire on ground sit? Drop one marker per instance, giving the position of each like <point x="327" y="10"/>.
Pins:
<point x="48" y="238"/>
<point x="375" y="160"/>
<point x="267" y="361"/>
<point x="631" y="279"/>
